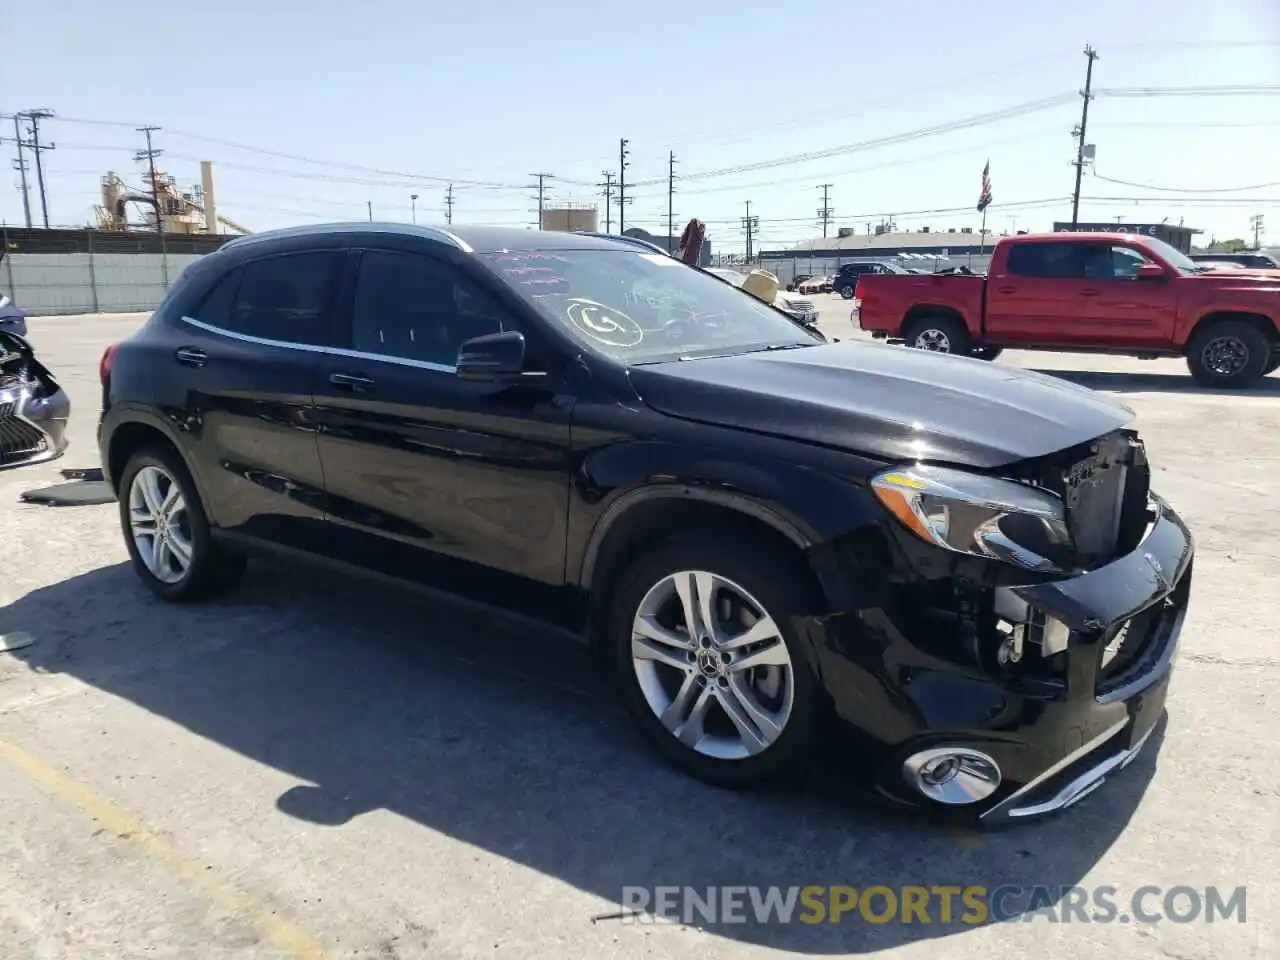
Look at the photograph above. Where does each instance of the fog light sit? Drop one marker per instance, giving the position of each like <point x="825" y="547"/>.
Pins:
<point x="952" y="775"/>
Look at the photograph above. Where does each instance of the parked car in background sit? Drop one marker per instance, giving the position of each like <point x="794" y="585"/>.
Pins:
<point x="931" y="575"/>
<point x="12" y="317"/>
<point x="33" y="408"/>
<point x="1254" y="259"/>
<point x="845" y="280"/>
<point x="1113" y="293"/>
<point x="814" y="285"/>
<point x="799" y="278"/>
<point x="790" y="303"/>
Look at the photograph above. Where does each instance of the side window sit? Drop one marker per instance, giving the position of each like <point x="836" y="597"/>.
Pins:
<point x="215" y="309"/>
<point x="411" y="306"/>
<point x="1058" y="261"/>
<point x="1125" y="262"/>
<point x="283" y="298"/>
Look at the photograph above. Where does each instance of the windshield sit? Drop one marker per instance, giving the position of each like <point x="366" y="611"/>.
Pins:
<point x="1174" y="257"/>
<point x="644" y="307"/>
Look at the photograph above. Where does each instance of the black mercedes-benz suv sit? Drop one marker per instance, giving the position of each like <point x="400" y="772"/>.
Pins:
<point x="946" y="577"/>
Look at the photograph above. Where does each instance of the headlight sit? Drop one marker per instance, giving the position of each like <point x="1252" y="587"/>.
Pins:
<point x="979" y="516"/>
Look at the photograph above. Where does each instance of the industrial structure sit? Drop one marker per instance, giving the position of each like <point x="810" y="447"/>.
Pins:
<point x="181" y="212"/>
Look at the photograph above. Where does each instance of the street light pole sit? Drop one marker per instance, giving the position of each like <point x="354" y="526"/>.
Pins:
<point x="413" y="202"/>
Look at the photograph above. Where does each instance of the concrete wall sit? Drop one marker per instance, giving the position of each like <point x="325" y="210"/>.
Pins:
<point x="60" y="283"/>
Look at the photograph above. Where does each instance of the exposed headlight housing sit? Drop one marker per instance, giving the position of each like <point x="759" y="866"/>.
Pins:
<point x="979" y="516"/>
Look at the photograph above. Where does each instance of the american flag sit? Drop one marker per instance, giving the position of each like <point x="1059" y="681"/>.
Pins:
<point x="984" y="198"/>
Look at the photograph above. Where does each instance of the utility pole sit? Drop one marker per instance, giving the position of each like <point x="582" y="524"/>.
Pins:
<point x="1081" y="131"/>
<point x="671" y="190"/>
<point x="369" y="206"/>
<point x="413" y="207"/>
<point x="21" y="166"/>
<point x="1256" y="222"/>
<point x="448" y="205"/>
<point x="542" y="192"/>
<point x="751" y="225"/>
<point x="150" y="155"/>
<point x="623" y="153"/>
<point x="608" y="199"/>
<point x="825" y="211"/>
<point x="33" y="118"/>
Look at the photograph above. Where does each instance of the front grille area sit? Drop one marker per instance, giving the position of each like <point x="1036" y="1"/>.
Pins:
<point x="19" y="440"/>
<point x="1106" y="495"/>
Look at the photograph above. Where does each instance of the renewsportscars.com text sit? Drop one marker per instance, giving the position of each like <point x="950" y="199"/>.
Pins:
<point x="940" y="904"/>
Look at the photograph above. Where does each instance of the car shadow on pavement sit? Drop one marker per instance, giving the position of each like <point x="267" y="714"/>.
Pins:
<point x="1119" y="382"/>
<point x="512" y="743"/>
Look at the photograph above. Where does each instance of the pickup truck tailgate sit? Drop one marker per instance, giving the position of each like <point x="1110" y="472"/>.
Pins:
<point x="885" y="299"/>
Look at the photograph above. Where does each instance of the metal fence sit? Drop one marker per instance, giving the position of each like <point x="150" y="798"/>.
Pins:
<point x="46" y="284"/>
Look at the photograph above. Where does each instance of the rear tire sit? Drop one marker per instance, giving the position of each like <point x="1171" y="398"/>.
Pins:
<point x="695" y="679"/>
<point x="1232" y="353"/>
<point x="939" y="334"/>
<point x="166" y="530"/>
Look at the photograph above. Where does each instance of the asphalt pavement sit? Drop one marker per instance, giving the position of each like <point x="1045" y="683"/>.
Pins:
<point x="314" y="768"/>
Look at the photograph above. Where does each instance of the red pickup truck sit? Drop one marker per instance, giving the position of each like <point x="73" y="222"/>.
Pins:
<point x="1088" y="292"/>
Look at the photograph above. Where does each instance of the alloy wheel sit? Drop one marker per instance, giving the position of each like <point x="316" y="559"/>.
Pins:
<point x="712" y="665"/>
<point x="160" y="525"/>
<point x="1225" y="356"/>
<point x="934" y="340"/>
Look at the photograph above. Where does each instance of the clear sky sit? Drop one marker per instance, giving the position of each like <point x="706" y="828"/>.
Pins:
<point x="492" y="92"/>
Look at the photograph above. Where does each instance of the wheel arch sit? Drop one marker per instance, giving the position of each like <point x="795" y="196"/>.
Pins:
<point x="135" y="430"/>
<point x="1263" y="323"/>
<point x="645" y="516"/>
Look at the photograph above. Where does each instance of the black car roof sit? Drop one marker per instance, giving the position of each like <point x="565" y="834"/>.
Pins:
<point x="471" y="239"/>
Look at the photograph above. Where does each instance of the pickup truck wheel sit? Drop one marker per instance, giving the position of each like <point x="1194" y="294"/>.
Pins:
<point x="938" y="334"/>
<point x="847" y="291"/>
<point x="707" y="660"/>
<point x="1228" y="354"/>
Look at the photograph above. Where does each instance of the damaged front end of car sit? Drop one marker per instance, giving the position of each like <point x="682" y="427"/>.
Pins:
<point x="34" y="409"/>
<point x="1019" y="647"/>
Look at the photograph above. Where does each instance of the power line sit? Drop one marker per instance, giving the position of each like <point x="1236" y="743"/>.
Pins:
<point x="825" y="211"/>
<point x="1227" y="90"/>
<point x="994" y="116"/>
<point x="1152" y="186"/>
<point x="1081" y="131"/>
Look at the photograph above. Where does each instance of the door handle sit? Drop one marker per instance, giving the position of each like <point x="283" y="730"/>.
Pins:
<point x="1089" y="293"/>
<point x="190" y="357"/>
<point x="351" y="381"/>
<point x="1006" y="289"/>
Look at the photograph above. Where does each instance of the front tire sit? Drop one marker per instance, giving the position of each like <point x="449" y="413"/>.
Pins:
<point x="709" y="666"/>
<point x="1232" y="353"/>
<point x="847" y="291"/>
<point x="167" y="532"/>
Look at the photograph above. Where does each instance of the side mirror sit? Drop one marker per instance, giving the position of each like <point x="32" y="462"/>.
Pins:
<point x="494" y="358"/>
<point x="1150" y="271"/>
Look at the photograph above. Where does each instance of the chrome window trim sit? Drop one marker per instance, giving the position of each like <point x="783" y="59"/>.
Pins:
<point x="327" y="351"/>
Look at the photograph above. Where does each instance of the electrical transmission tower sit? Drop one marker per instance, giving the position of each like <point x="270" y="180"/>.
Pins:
<point x="607" y="187"/>
<point x="542" y="192"/>
<point x="671" y="192"/>
<point x="149" y="155"/>
<point x="825" y="211"/>
<point x="1081" y="131"/>
<point x="623" y="164"/>
<point x="751" y="226"/>
<point x="32" y="143"/>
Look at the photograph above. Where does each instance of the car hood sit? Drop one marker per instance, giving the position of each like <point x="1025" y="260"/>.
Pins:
<point x="12" y="346"/>
<point x="888" y="402"/>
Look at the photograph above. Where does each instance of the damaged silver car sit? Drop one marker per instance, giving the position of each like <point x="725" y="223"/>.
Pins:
<point x="33" y="409"/>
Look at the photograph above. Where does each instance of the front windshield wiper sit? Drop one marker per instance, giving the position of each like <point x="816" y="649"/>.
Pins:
<point x="779" y="346"/>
